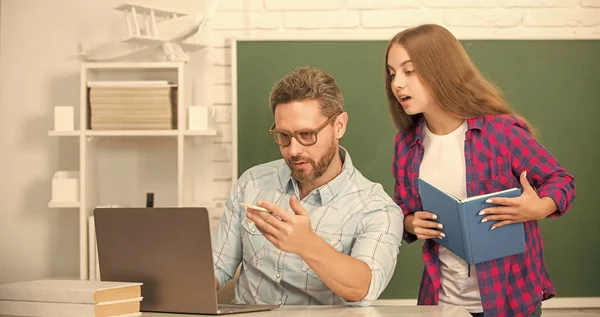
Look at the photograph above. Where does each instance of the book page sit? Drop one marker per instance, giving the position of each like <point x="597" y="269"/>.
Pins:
<point x="490" y="194"/>
<point x="453" y="195"/>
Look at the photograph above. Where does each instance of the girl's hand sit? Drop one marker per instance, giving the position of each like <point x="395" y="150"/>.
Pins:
<point x="528" y="206"/>
<point x="423" y="225"/>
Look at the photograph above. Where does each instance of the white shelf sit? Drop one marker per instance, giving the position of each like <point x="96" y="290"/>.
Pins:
<point x="200" y="133"/>
<point x="63" y="133"/>
<point x="132" y="65"/>
<point x="130" y="84"/>
<point x="134" y="133"/>
<point x="131" y="132"/>
<point x="92" y="154"/>
<point x="55" y="204"/>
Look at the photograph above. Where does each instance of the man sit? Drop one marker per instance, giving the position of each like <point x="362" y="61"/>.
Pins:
<point x="330" y="235"/>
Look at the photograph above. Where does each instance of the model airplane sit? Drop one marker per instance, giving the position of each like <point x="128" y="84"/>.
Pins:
<point x="151" y="28"/>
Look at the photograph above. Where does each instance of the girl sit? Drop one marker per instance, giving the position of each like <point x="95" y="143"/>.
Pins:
<point x="457" y="133"/>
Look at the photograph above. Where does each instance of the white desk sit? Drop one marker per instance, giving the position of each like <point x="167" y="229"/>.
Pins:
<point x="344" y="311"/>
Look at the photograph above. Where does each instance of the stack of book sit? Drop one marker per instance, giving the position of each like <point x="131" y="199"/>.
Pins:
<point x="132" y="105"/>
<point x="70" y="298"/>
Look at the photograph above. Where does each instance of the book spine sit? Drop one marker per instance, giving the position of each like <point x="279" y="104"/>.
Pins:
<point x="464" y="230"/>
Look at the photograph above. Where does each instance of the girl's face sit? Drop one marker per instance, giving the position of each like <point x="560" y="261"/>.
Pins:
<point x="405" y="82"/>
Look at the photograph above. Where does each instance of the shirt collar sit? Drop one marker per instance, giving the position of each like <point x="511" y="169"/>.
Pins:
<point x="326" y="192"/>
<point x="473" y="123"/>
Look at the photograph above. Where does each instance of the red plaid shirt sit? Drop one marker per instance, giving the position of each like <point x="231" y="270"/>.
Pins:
<point x="497" y="150"/>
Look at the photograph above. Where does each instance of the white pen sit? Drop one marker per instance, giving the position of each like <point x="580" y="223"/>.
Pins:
<point x="250" y="206"/>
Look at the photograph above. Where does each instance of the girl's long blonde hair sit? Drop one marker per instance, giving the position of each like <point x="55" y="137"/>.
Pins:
<point x="446" y="70"/>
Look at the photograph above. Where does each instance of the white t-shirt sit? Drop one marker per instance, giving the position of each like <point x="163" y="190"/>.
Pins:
<point x="444" y="167"/>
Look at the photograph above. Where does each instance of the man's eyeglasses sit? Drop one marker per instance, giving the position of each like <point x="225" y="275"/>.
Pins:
<point x="305" y="137"/>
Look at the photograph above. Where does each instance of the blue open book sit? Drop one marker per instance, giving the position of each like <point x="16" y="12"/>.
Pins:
<point x="466" y="235"/>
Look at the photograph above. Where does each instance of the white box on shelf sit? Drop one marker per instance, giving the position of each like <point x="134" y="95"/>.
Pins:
<point x="199" y="118"/>
<point x="64" y="118"/>
<point x="65" y="187"/>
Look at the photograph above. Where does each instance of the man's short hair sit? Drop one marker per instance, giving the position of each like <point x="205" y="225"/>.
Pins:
<point x="306" y="83"/>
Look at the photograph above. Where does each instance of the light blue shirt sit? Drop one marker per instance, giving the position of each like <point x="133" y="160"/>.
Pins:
<point x="354" y="215"/>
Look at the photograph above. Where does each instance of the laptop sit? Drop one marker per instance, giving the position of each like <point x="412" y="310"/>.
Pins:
<point x="169" y="251"/>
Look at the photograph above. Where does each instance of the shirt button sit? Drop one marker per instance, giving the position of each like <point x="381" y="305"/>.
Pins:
<point x="277" y="275"/>
<point x="253" y="229"/>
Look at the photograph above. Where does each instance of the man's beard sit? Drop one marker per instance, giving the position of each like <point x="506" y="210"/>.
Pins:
<point x="317" y="169"/>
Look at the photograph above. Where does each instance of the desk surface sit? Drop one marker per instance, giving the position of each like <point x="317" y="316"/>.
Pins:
<point x="344" y="311"/>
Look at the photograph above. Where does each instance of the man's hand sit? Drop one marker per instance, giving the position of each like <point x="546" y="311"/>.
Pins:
<point x="346" y="276"/>
<point x="528" y="206"/>
<point x="288" y="232"/>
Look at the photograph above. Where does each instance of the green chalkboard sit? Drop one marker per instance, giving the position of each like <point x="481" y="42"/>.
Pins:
<point x="553" y="83"/>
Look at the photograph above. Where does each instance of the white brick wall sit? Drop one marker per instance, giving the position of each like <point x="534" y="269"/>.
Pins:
<point x="400" y="18"/>
<point x="590" y="3"/>
<point x="240" y="5"/>
<point x="321" y="19"/>
<point x="221" y="56"/>
<point x="308" y="5"/>
<point x="382" y="4"/>
<point x="563" y="17"/>
<point x="246" y="20"/>
<point x="223" y="114"/>
<point x="484" y="17"/>
<point x="539" y="3"/>
<point x="460" y="4"/>
<point x="374" y="19"/>
<point x="221" y="74"/>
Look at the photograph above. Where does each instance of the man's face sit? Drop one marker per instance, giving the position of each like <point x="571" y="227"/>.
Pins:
<point x="307" y="163"/>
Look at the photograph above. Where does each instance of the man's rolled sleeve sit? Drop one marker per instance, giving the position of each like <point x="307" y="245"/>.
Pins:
<point x="378" y="246"/>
